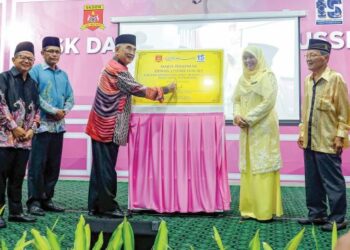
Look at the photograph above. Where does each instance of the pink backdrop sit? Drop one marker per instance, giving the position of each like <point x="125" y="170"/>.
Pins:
<point x="37" y="19"/>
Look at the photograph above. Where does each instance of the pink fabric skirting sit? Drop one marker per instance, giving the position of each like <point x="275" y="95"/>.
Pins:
<point x="177" y="163"/>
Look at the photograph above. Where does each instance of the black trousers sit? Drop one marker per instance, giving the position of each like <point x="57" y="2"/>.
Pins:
<point x="324" y="180"/>
<point x="103" y="177"/>
<point x="44" y="167"/>
<point x="13" y="162"/>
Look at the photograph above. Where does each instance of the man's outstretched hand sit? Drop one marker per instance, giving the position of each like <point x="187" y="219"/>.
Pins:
<point x="172" y="87"/>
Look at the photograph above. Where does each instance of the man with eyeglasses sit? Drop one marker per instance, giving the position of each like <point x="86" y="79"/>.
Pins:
<point x="323" y="135"/>
<point x="19" y="118"/>
<point x="56" y="100"/>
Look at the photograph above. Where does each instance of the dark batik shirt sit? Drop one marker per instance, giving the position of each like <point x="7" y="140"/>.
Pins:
<point x="19" y="103"/>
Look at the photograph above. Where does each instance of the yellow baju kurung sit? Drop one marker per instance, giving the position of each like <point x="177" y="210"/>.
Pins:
<point x="259" y="158"/>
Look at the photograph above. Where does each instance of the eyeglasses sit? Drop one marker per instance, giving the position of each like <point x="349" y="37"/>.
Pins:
<point x="24" y="58"/>
<point x="53" y="51"/>
<point x="311" y="56"/>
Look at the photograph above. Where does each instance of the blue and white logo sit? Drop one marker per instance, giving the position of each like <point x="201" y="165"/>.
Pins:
<point x="200" y="58"/>
<point x="329" y="11"/>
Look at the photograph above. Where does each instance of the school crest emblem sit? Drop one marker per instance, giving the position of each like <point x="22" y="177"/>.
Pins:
<point x="159" y="58"/>
<point x="93" y="17"/>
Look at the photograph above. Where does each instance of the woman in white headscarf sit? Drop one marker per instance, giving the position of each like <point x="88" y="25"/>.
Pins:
<point x="259" y="159"/>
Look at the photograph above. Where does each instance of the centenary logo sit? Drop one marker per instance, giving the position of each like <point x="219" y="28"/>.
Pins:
<point x="93" y="17"/>
<point x="329" y="12"/>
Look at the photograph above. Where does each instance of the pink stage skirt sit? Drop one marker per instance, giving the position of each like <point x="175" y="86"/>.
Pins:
<point x="177" y="163"/>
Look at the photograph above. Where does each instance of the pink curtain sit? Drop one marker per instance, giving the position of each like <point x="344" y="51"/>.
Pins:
<point x="177" y="163"/>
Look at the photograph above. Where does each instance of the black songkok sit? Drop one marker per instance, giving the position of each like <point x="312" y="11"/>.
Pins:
<point x="125" y="38"/>
<point x="24" y="46"/>
<point x="319" y="44"/>
<point x="51" y="41"/>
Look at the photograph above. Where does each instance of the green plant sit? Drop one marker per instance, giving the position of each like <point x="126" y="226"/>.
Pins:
<point x="116" y="240"/>
<point x="55" y="243"/>
<point x="217" y="238"/>
<point x="294" y="243"/>
<point x="314" y="236"/>
<point x="3" y="245"/>
<point x="254" y="244"/>
<point x="266" y="246"/>
<point x="128" y="236"/>
<point x="22" y="243"/>
<point x="82" y="235"/>
<point x="123" y="235"/>
<point x="161" y="242"/>
<point x="40" y="241"/>
<point x="334" y="235"/>
<point x="99" y="242"/>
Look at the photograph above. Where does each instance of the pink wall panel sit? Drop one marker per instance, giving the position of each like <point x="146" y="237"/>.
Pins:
<point x="75" y="154"/>
<point x="232" y="153"/>
<point x="346" y="162"/>
<point x="77" y="114"/>
<point x="292" y="158"/>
